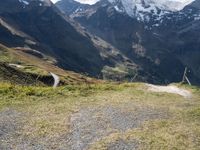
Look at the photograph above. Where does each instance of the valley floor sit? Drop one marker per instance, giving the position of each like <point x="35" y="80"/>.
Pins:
<point x="102" y="116"/>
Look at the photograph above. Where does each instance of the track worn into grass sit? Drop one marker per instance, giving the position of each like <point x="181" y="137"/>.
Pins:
<point x="170" y="89"/>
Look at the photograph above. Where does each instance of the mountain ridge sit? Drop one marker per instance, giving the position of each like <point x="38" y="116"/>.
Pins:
<point x="46" y="29"/>
<point x="149" y="44"/>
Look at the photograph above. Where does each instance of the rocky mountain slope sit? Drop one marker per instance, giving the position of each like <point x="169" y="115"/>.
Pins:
<point x="39" y="26"/>
<point x="71" y="6"/>
<point x="26" y="67"/>
<point x="160" y="40"/>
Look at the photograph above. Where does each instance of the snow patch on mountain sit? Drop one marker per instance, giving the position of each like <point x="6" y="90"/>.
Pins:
<point x="133" y="6"/>
<point x="154" y="11"/>
<point x="130" y="5"/>
<point x="90" y="2"/>
<point x="24" y="2"/>
<point x="40" y="2"/>
<point x="144" y="10"/>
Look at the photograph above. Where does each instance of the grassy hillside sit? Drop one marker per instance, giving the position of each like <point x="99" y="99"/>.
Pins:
<point x="98" y="116"/>
<point x="17" y="63"/>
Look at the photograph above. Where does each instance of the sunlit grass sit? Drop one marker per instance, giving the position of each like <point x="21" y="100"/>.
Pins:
<point x="47" y="112"/>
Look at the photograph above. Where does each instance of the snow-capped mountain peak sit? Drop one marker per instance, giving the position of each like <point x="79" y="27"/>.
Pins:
<point x="132" y="6"/>
<point x="145" y="10"/>
<point x="170" y="5"/>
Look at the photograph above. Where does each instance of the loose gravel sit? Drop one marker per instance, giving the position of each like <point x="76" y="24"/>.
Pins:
<point x="88" y="126"/>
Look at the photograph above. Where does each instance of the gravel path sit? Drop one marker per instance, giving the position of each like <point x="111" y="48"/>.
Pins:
<point x="90" y="125"/>
<point x="56" y="79"/>
<point x="170" y="89"/>
<point x="9" y="125"/>
<point x="123" y="145"/>
<point x="16" y="65"/>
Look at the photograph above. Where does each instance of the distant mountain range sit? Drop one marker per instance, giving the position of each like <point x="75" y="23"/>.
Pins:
<point x="162" y="41"/>
<point x="151" y="44"/>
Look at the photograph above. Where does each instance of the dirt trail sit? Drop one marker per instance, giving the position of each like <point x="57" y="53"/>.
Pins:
<point x="56" y="79"/>
<point x="9" y="125"/>
<point x="92" y="124"/>
<point x="16" y="65"/>
<point x="170" y="89"/>
<point x="88" y="126"/>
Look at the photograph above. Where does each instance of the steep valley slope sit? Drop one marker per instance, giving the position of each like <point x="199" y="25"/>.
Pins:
<point x="40" y="26"/>
<point x="161" y="42"/>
